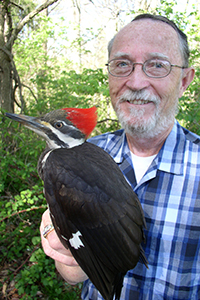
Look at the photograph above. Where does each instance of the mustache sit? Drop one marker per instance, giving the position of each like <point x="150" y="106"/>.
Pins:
<point x="138" y="95"/>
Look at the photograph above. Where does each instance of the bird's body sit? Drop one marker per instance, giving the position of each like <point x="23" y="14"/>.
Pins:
<point x="94" y="211"/>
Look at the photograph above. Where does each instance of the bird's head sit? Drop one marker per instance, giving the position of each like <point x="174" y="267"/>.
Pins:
<point x="61" y="128"/>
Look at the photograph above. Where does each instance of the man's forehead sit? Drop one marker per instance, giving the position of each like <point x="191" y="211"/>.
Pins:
<point x="148" y="32"/>
<point x="148" y="26"/>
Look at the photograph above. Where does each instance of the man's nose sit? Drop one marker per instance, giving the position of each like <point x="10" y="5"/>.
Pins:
<point x="137" y="80"/>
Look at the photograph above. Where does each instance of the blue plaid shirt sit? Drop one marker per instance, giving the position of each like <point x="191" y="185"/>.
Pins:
<point x="170" y="196"/>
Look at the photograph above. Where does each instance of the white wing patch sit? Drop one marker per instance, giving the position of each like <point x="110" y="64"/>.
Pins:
<point x="75" y="241"/>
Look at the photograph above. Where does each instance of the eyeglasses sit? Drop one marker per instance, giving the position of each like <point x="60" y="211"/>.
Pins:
<point x="155" y="68"/>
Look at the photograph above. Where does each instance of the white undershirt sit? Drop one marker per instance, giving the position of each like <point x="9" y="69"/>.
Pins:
<point x="141" y="165"/>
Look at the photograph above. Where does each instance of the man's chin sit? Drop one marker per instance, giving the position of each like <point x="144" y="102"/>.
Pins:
<point x="146" y="129"/>
<point x="136" y="121"/>
<point x="139" y="131"/>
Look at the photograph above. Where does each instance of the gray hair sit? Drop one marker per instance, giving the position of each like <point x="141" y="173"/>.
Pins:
<point x="184" y="48"/>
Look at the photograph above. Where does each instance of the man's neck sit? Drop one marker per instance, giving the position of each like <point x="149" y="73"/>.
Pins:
<point x="147" y="147"/>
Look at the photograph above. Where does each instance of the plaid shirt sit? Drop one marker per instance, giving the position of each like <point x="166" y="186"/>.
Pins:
<point x="170" y="195"/>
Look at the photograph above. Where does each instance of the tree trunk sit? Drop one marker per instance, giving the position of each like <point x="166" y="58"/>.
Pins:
<point x="5" y="62"/>
<point x="6" y="89"/>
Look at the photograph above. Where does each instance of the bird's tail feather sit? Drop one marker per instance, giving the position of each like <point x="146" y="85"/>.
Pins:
<point x="118" y="284"/>
<point x="143" y="257"/>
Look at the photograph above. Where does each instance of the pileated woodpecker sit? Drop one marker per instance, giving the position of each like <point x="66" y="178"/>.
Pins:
<point x="93" y="209"/>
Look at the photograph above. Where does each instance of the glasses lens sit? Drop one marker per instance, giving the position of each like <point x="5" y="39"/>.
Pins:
<point x="120" y="67"/>
<point x="157" y="67"/>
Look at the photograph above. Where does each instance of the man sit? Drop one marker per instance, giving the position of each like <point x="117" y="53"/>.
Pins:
<point x="148" y="73"/>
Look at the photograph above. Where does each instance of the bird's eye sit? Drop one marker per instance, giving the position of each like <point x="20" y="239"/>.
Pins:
<point x="58" y="125"/>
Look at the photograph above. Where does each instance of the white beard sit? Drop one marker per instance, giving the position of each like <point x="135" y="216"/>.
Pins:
<point x="135" y="124"/>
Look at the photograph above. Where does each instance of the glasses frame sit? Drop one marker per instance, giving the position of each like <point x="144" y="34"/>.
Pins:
<point x="143" y="68"/>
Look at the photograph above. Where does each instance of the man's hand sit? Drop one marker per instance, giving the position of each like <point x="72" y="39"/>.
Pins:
<point x="65" y="262"/>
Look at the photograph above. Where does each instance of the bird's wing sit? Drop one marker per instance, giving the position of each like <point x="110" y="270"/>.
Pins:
<point x="95" y="212"/>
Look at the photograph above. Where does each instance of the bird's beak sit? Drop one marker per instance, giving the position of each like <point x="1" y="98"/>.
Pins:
<point x="32" y="123"/>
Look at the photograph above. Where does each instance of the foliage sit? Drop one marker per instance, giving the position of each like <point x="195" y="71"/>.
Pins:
<point x="18" y="220"/>
<point x="189" y="113"/>
<point x="19" y="151"/>
<point x="10" y="80"/>
<point x="54" y="82"/>
<point x="39" y="278"/>
<point x="51" y="81"/>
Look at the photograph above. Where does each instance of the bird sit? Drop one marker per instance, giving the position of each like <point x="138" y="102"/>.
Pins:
<point x="94" y="210"/>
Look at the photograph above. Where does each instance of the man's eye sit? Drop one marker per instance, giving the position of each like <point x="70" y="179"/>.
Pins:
<point x="158" y="65"/>
<point x="155" y="65"/>
<point x="122" y="64"/>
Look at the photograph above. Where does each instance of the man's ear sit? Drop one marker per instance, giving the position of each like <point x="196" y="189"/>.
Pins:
<point x="188" y="75"/>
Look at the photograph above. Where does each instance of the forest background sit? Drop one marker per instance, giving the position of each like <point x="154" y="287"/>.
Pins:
<point x="53" y="55"/>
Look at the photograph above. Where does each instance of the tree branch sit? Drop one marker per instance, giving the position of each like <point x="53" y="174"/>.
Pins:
<point x="17" y="5"/>
<point x="18" y="82"/>
<point x="7" y="52"/>
<point x="26" y="19"/>
<point x="19" y="268"/>
<point x="15" y="76"/>
<point x="105" y="120"/>
<point x="8" y="21"/>
<point x="32" y="93"/>
<point x="22" y="211"/>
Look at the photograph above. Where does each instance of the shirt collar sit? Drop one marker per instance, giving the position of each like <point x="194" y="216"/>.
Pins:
<point x="121" y="149"/>
<point x="169" y="159"/>
<point x="171" y="156"/>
